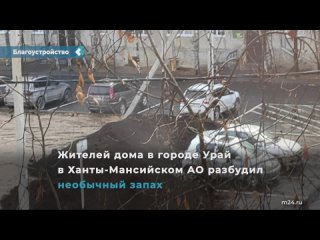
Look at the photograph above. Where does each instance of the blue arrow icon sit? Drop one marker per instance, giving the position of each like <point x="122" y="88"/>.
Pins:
<point x="79" y="51"/>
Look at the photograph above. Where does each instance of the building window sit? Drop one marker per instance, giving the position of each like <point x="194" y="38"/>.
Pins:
<point x="187" y="33"/>
<point x="137" y="33"/>
<point x="37" y="31"/>
<point x="218" y="33"/>
<point x="142" y="33"/>
<point x="184" y="33"/>
<point x="238" y="34"/>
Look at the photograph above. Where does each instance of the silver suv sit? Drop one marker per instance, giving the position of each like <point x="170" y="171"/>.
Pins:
<point x="39" y="91"/>
<point x="114" y="97"/>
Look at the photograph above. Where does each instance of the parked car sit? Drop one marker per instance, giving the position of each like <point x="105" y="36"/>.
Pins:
<point x="4" y="80"/>
<point x="242" y="155"/>
<point x="114" y="97"/>
<point x="199" y="97"/>
<point x="39" y="91"/>
<point x="287" y="151"/>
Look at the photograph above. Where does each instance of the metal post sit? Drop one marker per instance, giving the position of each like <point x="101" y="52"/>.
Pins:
<point x="211" y="60"/>
<point x="211" y="72"/>
<point x="212" y="55"/>
<point x="152" y="71"/>
<point x="295" y="51"/>
<point x="23" y="192"/>
<point x="82" y="145"/>
<point x="81" y="180"/>
<point x="67" y="44"/>
<point x="209" y="54"/>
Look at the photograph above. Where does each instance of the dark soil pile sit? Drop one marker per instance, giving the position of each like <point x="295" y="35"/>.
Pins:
<point x="135" y="134"/>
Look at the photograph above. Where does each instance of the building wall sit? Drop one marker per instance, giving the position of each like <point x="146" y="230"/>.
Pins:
<point x="184" y="46"/>
<point x="283" y="53"/>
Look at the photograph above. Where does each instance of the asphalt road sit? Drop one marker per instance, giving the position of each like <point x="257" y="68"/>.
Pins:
<point x="251" y="94"/>
<point x="289" y="108"/>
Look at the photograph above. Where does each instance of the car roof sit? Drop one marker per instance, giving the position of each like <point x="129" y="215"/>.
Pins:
<point x="247" y="128"/>
<point x="204" y="87"/>
<point x="219" y="139"/>
<point x="34" y="78"/>
<point x="102" y="84"/>
<point x="244" y="127"/>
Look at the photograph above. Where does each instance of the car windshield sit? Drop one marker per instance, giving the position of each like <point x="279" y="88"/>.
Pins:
<point x="263" y="136"/>
<point x="191" y="94"/>
<point x="30" y="85"/>
<point x="99" y="90"/>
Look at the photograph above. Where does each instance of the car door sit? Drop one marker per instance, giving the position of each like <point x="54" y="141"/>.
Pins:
<point x="228" y="99"/>
<point x="43" y="88"/>
<point x="198" y="100"/>
<point x="55" y="89"/>
<point x="222" y="101"/>
<point x="124" y="93"/>
<point x="132" y="91"/>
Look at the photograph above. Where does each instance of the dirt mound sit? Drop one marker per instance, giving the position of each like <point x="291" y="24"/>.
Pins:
<point x="134" y="134"/>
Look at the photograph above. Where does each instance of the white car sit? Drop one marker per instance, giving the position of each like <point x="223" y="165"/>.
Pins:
<point x="287" y="151"/>
<point x="39" y="91"/>
<point x="242" y="156"/>
<point x="3" y="84"/>
<point x="199" y="97"/>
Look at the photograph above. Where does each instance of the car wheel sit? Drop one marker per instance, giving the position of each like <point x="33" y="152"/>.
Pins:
<point x="216" y="114"/>
<point x="236" y="107"/>
<point x="67" y="96"/>
<point x="122" y="108"/>
<point x="40" y="104"/>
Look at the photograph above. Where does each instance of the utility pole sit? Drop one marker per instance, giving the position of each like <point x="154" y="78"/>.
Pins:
<point x="163" y="47"/>
<point x="7" y="36"/>
<point x="318" y="47"/>
<point x="211" y="70"/>
<point x="316" y="36"/>
<point x="295" y="50"/>
<point x="209" y="54"/>
<point x="211" y="59"/>
<point x="23" y="192"/>
<point x="152" y="71"/>
<point x="67" y="44"/>
<point x="196" y="49"/>
<point x="263" y="60"/>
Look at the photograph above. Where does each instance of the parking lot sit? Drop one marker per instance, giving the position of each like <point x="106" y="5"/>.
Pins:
<point x="293" y="121"/>
<point x="296" y="119"/>
<point x="298" y="122"/>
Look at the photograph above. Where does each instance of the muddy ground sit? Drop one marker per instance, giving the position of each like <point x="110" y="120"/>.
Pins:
<point x="135" y="134"/>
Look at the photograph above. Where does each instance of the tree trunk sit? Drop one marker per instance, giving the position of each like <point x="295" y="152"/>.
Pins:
<point x="295" y="53"/>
